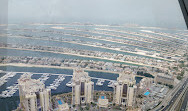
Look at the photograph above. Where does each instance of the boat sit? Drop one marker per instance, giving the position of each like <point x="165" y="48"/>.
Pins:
<point x="62" y="78"/>
<point x="111" y="84"/>
<point x="51" y="87"/>
<point x="100" y="82"/>
<point x="10" y="87"/>
<point x="69" y="84"/>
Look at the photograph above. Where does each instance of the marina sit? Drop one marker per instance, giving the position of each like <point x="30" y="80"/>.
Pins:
<point x="56" y="83"/>
<point x="44" y="77"/>
<point x="11" y="90"/>
<point x="6" y="77"/>
<point x="39" y="72"/>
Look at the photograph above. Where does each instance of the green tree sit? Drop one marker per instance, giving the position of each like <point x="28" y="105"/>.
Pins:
<point x="179" y="77"/>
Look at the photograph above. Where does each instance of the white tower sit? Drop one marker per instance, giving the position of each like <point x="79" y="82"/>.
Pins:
<point x="33" y="95"/>
<point x="125" y="89"/>
<point x="82" y="87"/>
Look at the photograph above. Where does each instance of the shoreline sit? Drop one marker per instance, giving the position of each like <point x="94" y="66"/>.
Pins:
<point x="137" y="53"/>
<point x="102" y="39"/>
<point x="140" y="64"/>
<point x="61" y="67"/>
<point x="148" y="31"/>
<point x="167" y="53"/>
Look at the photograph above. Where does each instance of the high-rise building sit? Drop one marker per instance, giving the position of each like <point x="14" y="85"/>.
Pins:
<point x="82" y="88"/>
<point x="125" y="89"/>
<point x="33" y="95"/>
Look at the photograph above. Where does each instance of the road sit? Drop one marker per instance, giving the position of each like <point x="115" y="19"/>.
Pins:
<point x="185" y="102"/>
<point x="176" y="96"/>
<point x="171" y="96"/>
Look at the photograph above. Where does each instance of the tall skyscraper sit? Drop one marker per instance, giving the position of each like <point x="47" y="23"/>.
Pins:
<point x="125" y="90"/>
<point x="33" y="95"/>
<point x="82" y="88"/>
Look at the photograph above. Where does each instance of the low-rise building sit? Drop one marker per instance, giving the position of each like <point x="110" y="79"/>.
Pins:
<point x="146" y="82"/>
<point x="102" y="101"/>
<point x="164" y="79"/>
<point x="62" y="106"/>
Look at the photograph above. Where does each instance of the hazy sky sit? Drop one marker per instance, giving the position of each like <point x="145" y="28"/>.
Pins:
<point x="164" y="13"/>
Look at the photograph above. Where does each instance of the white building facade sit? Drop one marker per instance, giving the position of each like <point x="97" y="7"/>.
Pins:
<point x="82" y="88"/>
<point x="125" y="90"/>
<point x="33" y="95"/>
<point x="146" y="82"/>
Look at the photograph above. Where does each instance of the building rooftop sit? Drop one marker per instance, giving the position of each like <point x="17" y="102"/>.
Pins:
<point x="126" y="76"/>
<point x="79" y="73"/>
<point x="61" y="105"/>
<point x="103" y="101"/>
<point x="164" y="75"/>
<point x="30" y="86"/>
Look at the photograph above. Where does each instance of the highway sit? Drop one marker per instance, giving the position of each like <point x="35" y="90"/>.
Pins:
<point x="176" y="96"/>
<point x="171" y="96"/>
<point x="185" y="103"/>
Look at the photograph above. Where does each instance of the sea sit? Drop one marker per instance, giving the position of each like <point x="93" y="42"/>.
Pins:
<point x="11" y="103"/>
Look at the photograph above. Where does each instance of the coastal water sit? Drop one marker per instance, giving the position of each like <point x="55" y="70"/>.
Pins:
<point x="8" y="104"/>
<point x="11" y="103"/>
<point x="23" y="53"/>
<point x="68" y="45"/>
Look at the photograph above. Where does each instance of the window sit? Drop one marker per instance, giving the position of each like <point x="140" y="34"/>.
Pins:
<point x="124" y="90"/>
<point x="82" y="88"/>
